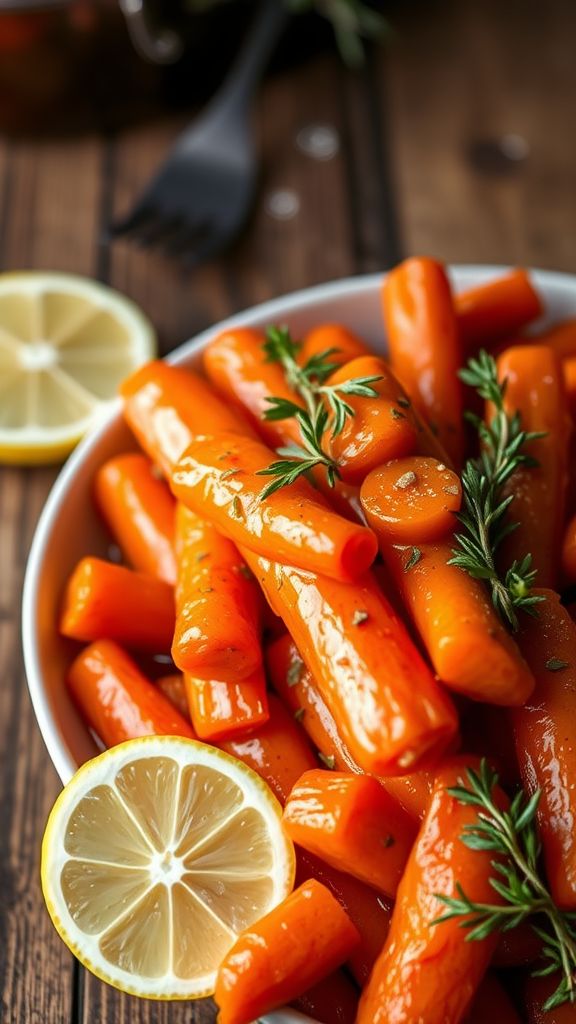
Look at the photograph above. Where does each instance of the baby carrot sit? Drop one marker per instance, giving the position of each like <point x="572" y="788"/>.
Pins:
<point x="545" y="742"/>
<point x="392" y="714"/>
<point x="412" y="499"/>
<point x="496" y="310"/>
<point x="492" y="1003"/>
<point x="278" y="750"/>
<point x="117" y="701"/>
<point x="293" y="681"/>
<point x="381" y="428"/>
<point x="430" y="972"/>
<point x="220" y="479"/>
<point x="167" y="407"/>
<point x="561" y="338"/>
<point x="425" y="349"/>
<point x="172" y="686"/>
<point x="350" y="822"/>
<point x="467" y="644"/>
<point x="283" y="955"/>
<point x="334" y="1000"/>
<point x="218" y="606"/>
<point x="220" y="709"/>
<point x="139" y="511"/>
<point x="534" y="388"/>
<point x="343" y="343"/>
<point x="106" y="601"/>
<point x="569" y="552"/>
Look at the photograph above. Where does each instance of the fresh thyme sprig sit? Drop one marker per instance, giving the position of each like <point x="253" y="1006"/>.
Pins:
<point x="513" y="837"/>
<point x="484" y="506"/>
<point x="325" y="408"/>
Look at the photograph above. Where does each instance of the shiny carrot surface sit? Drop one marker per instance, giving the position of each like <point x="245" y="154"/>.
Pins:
<point x="139" y="511"/>
<point x="497" y="310"/>
<point x="545" y="739"/>
<point x="492" y="1003"/>
<point x="167" y="408"/>
<point x="345" y="344"/>
<point x="172" y="686"/>
<point x="281" y="956"/>
<point x="431" y="973"/>
<point x="293" y="681"/>
<point x="334" y="1000"/>
<point x="350" y="822"/>
<point x="218" y="606"/>
<point x="392" y="714"/>
<point x="278" y="751"/>
<point x="117" y="701"/>
<point x="425" y="349"/>
<point x="413" y="500"/>
<point x="106" y="601"/>
<point x="535" y="389"/>
<point x="466" y="642"/>
<point x="220" y="709"/>
<point x="381" y="428"/>
<point x="219" y="478"/>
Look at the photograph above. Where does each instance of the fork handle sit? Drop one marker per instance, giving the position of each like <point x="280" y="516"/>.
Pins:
<point x="252" y="60"/>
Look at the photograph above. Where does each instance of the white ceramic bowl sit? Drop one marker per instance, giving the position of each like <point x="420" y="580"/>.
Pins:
<point x="70" y="528"/>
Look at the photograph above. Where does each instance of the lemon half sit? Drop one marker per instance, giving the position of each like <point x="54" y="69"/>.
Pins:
<point x="155" y="856"/>
<point x="66" y="343"/>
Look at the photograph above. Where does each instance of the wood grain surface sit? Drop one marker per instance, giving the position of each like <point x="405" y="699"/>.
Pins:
<point x="456" y="140"/>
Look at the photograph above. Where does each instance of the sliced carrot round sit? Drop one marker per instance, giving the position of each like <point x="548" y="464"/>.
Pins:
<point x="412" y="499"/>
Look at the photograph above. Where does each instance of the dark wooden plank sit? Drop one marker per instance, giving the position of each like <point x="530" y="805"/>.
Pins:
<point x="458" y="76"/>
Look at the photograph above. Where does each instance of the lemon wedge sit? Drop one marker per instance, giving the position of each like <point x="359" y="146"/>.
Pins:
<point x="156" y="855"/>
<point x="66" y="343"/>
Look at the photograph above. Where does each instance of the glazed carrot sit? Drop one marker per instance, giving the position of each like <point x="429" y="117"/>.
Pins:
<point x="117" y="701"/>
<point x="369" y="910"/>
<point x="106" y="601"/>
<point x="139" y="511"/>
<point x="492" y="1003"/>
<point x="293" y="681"/>
<point x="430" y="973"/>
<point x="569" y="552"/>
<point x="283" y="955"/>
<point x="413" y="499"/>
<point x="425" y="349"/>
<point x="172" y="686"/>
<point x="344" y="343"/>
<point x="350" y="822"/>
<point x="569" y="377"/>
<point x="218" y="607"/>
<point x="236" y="364"/>
<point x="334" y="1000"/>
<point x="465" y="640"/>
<point x="392" y="714"/>
<point x="545" y="742"/>
<point x="496" y="310"/>
<point x="381" y="428"/>
<point x="560" y="337"/>
<point x="221" y="709"/>
<point x="219" y="478"/>
<point x="535" y="389"/>
<point x="167" y="408"/>
<point x="278" y="751"/>
<point x="536" y="992"/>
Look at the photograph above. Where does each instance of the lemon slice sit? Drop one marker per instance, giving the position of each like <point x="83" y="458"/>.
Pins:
<point x="66" y="343"/>
<point x="155" y="856"/>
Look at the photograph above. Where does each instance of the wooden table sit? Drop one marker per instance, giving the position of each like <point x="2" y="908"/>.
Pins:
<point x="457" y="141"/>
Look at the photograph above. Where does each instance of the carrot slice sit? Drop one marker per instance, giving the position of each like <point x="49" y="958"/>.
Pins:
<point x="535" y="389"/>
<point x="139" y="511"/>
<point x="220" y="708"/>
<point x="284" y="954"/>
<point x="497" y="310"/>
<point x="219" y="478"/>
<point x="412" y="499"/>
<point x="425" y="972"/>
<point x="110" y="602"/>
<point x="392" y="714"/>
<point x="218" y="607"/>
<point x="350" y="822"/>
<point x="167" y="407"/>
<point x="117" y="701"/>
<point x="425" y="349"/>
